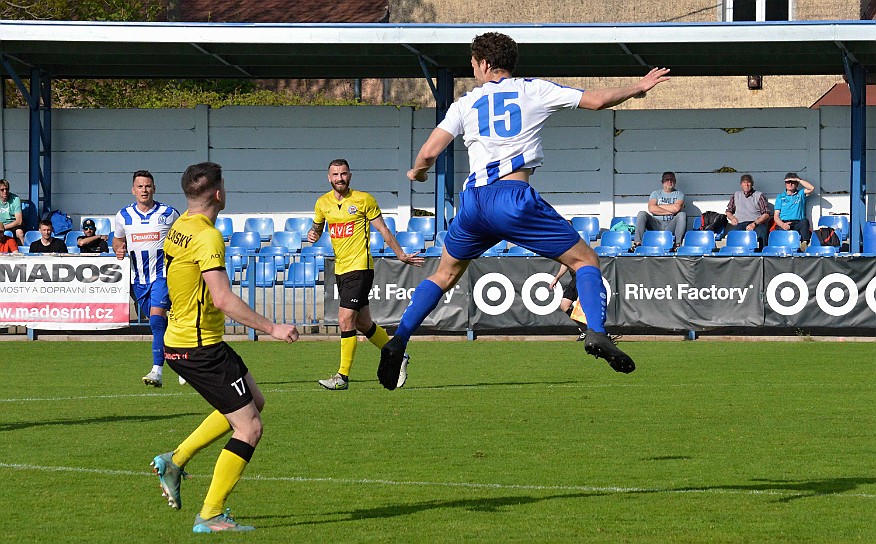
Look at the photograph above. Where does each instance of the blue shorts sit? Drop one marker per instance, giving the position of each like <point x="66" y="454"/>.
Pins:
<point x="151" y="295"/>
<point x="507" y="210"/>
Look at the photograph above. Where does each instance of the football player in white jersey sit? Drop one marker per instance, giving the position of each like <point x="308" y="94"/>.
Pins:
<point x="140" y="229"/>
<point x="500" y="122"/>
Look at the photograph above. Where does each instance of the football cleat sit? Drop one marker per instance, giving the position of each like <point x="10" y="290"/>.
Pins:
<point x="153" y="379"/>
<point x="169" y="478"/>
<point x="182" y="381"/>
<point x="602" y="346"/>
<point x="336" y="383"/>
<point x="392" y="357"/>
<point x="403" y="371"/>
<point x="222" y="522"/>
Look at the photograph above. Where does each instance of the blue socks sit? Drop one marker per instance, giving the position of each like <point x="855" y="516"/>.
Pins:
<point x="158" y="324"/>
<point x="425" y="299"/>
<point x="592" y="296"/>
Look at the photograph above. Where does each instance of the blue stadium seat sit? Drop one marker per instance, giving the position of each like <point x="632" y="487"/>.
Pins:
<point x="653" y="251"/>
<point x="621" y="240"/>
<point x="784" y="238"/>
<point x="265" y="274"/>
<point x="73" y="249"/>
<point x="699" y="238"/>
<point x="70" y="237"/>
<point x="225" y="226"/>
<point x="589" y="225"/>
<point x="262" y="225"/>
<point x="300" y="225"/>
<point x="519" y="251"/>
<point x="824" y="251"/>
<point x="434" y="251"/>
<point x="439" y="238"/>
<point x="746" y="239"/>
<point x="778" y="251"/>
<point x="498" y="249"/>
<point x="301" y="274"/>
<point x="408" y="239"/>
<point x="315" y="254"/>
<point x="424" y="225"/>
<point x="692" y="251"/>
<point x="839" y="223"/>
<point x="31" y="236"/>
<point x="628" y="219"/>
<point x="289" y="240"/>
<point x="249" y="240"/>
<point x="390" y="224"/>
<point x="729" y="250"/>
<point x="236" y="261"/>
<point x="376" y="242"/>
<point x="276" y="254"/>
<point x="698" y="224"/>
<point x="324" y="241"/>
<point x="662" y="239"/>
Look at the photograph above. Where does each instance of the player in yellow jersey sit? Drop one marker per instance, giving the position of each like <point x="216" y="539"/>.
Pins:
<point x="201" y="296"/>
<point x="349" y="214"/>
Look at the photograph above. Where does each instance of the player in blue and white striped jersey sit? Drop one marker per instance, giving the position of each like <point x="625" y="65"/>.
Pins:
<point x="140" y="229"/>
<point x="500" y="122"/>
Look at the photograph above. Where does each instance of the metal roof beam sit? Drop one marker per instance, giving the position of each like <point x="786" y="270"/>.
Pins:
<point x="635" y="56"/>
<point x="222" y="60"/>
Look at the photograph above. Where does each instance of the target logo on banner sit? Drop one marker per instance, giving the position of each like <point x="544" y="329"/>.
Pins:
<point x="787" y="294"/>
<point x="493" y="293"/>
<point x="836" y="294"/>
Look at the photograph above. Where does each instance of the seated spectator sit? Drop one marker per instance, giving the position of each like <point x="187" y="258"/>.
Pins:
<point x="748" y="210"/>
<point x="91" y="242"/>
<point x="10" y="212"/>
<point x="47" y="243"/>
<point x="8" y="244"/>
<point x="664" y="212"/>
<point x="790" y="206"/>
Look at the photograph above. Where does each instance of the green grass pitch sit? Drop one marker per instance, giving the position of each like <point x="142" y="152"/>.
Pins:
<point x="708" y="442"/>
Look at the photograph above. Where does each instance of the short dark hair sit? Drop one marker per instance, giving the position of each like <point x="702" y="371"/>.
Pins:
<point x="201" y="178"/>
<point x="47" y="223"/>
<point x="667" y="173"/>
<point x="499" y="50"/>
<point x="142" y="174"/>
<point x="744" y="177"/>
<point x="339" y="162"/>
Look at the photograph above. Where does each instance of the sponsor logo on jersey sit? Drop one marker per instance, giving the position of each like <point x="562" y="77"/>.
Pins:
<point x="341" y="230"/>
<point x="145" y="237"/>
<point x="352" y="210"/>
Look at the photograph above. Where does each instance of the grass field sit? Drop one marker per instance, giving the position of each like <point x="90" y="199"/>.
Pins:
<point x="488" y="442"/>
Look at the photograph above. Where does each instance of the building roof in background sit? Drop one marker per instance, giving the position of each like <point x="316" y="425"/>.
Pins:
<point x="283" y="11"/>
<point x="839" y="95"/>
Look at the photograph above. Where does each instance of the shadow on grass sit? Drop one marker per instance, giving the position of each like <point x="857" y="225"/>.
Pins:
<point x="395" y="510"/>
<point x="92" y="421"/>
<point x="798" y="489"/>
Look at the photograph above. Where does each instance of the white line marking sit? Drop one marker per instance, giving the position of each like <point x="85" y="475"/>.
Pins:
<point x="470" y="485"/>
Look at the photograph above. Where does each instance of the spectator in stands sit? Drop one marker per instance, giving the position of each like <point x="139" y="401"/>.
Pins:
<point x="349" y="213"/>
<point x="567" y="303"/>
<point x="790" y="208"/>
<point x="47" y="243"/>
<point x="91" y="242"/>
<point x="8" y="244"/>
<point x="10" y="212"/>
<point x="748" y="210"/>
<point x="140" y="229"/>
<point x="664" y="212"/>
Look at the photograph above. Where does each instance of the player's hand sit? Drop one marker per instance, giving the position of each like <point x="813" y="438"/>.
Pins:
<point x="412" y="259"/>
<point x="121" y="252"/>
<point x="286" y="333"/>
<point x="655" y="76"/>
<point x="552" y="285"/>
<point x="312" y="237"/>
<point x="417" y="175"/>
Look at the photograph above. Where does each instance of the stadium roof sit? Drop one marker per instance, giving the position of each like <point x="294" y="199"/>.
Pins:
<point x="300" y="50"/>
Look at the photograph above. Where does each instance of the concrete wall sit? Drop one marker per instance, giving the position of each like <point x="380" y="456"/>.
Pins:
<point x="602" y="163"/>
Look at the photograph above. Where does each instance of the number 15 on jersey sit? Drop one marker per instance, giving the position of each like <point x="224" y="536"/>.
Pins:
<point x="504" y="117"/>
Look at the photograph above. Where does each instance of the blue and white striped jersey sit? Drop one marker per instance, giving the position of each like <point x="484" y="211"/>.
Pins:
<point x="501" y="122"/>
<point x="144" y="234"/>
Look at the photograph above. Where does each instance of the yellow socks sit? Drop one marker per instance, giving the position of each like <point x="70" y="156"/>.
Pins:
<point x="210" y="430"/>
<point x="229" y="468"/>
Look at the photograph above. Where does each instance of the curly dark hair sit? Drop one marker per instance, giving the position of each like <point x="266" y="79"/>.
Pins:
<point x="499" y="50"/>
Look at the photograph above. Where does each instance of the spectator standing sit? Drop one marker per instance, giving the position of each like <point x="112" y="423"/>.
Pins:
<point x="10" y="212"/>
<point x="664" y="211"/>
<point x="790" y="208"/>
<point x="748" y="209"/>
<point x="91" y="242"/>
<point x="47" y="243"/>
<point x="140" y="229"/>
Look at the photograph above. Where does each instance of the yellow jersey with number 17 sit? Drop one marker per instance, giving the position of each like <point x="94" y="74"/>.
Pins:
<point x="192" y="246"/>
<point x="348" y="221"/>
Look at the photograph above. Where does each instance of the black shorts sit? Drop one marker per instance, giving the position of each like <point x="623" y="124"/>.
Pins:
<point x="353" y="288"/>
<point x="216" y="372"/>
<point x="570" y="292"/>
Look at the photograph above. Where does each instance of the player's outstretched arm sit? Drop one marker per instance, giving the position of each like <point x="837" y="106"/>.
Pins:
<point x="438" y="140"/>
<point x="606" y="98"/>
<point x="407" y="258"/>
<point x="234" y="307"/>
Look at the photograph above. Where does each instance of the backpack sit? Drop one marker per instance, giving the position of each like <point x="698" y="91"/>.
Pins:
<point x="61" y="222"/>
<point x="714" y="221"/>
<point x="827" y="236"/>
<point x="622" y="226"/>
